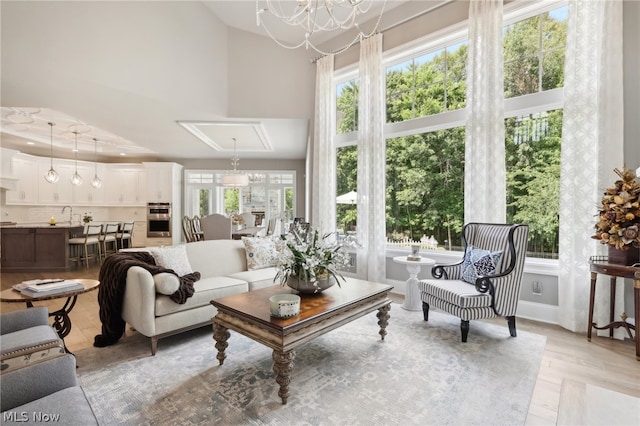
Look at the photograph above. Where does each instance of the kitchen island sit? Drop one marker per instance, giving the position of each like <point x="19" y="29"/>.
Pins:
<point x="36" y="247"/>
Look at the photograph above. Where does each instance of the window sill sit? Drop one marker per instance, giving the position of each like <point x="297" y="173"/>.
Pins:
<point x="532" y="265"/>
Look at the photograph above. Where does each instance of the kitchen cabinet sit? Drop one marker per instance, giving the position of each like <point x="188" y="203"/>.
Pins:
<point x="125" y="185"/>
<point x="164" y="184"/>
<point x="139" y="236"/>
<point x="25" y="170"/>
<point x="86" y="194"/>
<point x="163" y="181"/>
<point x="60" y="192"/>
<point x="159" y="242"/>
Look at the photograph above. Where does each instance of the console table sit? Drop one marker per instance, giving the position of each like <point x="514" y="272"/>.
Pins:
<point x="601" y="265"/>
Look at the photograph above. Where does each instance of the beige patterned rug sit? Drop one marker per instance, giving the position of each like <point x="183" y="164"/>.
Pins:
<point x="420" y="374"/>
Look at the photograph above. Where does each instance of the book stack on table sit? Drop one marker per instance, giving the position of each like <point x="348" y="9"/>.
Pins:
<point x="46" y="287"/>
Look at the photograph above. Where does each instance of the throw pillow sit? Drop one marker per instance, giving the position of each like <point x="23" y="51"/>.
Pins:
<point x="166" y="283"/>
<point x="261" y="252"/>
<point x="478" y="263"/>
<point x="173" y="257"/>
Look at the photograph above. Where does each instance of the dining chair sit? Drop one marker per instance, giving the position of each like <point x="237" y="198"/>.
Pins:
<point x="197" y="228"/>
<point x="187" y="229"/>
<point x="80" y="245"/>
<point x="249" y="219"/>
<point x="216" y="227"/>
<point x="271" y="226"/>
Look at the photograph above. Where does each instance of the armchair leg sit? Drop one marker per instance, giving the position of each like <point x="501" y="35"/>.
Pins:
<point x="512" y="325"/>
<point x="425" y="311"/>
<point x="464" y="328"/>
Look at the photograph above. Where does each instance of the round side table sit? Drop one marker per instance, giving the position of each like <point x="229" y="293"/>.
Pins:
<point x="411" y="293"/>
<point x="61" y="319"/>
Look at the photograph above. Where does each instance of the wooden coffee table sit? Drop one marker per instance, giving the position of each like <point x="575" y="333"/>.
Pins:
<point x="248" y="314"/>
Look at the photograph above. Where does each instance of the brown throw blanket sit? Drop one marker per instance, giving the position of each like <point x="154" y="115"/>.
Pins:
<point x="113" y="280"/>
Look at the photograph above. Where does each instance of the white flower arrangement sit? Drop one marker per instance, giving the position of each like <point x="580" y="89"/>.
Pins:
<point x="310" y="257"/>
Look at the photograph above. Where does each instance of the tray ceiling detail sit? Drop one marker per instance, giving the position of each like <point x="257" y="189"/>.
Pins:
<point x="219" y="135"/>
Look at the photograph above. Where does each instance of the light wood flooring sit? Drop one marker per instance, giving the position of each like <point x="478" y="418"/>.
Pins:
<point x="568" y="357"/>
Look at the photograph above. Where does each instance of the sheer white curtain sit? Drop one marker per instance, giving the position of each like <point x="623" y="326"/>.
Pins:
<point x="371" y="162"/>
<point x="323" y="215"/>
<point x="485" y="173"/>
<point x="592" y="146"/>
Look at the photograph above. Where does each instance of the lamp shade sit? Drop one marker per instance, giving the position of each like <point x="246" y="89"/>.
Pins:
<point x="235" y="180"/>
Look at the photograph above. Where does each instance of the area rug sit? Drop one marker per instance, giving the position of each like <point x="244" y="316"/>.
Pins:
<point x="420" y="374"/>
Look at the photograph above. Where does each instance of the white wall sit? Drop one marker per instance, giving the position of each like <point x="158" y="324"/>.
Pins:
<point x="268" y="81"/>
<point x="100" y="61"/>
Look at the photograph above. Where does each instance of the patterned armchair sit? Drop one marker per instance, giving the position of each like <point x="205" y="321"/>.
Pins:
<point x="486" y="282"/>
<point x="27" y="338"/>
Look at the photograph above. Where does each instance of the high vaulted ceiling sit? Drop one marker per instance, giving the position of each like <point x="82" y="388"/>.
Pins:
<point x="131" y="74"/>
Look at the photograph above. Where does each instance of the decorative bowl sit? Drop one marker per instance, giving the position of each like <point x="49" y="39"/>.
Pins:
<point x="284" y="305"/>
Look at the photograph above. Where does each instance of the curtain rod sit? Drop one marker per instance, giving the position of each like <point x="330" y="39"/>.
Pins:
<point x="396" y="24"/>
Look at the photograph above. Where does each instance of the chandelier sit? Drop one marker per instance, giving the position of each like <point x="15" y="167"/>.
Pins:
<point x="315" y="16"/>
<point x="235" y="179"/>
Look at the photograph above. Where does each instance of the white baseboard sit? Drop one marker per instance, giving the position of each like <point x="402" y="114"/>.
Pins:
<point x="538" y="312"/>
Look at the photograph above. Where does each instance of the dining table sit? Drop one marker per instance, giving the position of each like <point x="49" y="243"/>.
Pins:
<point x="249" y="231"/>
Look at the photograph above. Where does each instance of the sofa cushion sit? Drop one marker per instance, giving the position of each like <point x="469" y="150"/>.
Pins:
<point x="28" y="337"/>
<point x="172" y="257"/>
<point x="67" y="407"/>
<point x="217" y="257"/>
<point x="166" y="283"/>
<point x="260" y="252"/>
<point x="258" y="278"/>
<point x="455" y="292"/>
<point x="478" y="263"/>
<point x="29" y="346"/>
<point x="205" y="290"/>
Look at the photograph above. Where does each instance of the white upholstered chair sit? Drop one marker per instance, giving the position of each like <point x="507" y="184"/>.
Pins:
<point x="249" y="219"/>
<point x="271" y="227"/>
<point x="216" y="227"/>
<point x="486" y="282"/>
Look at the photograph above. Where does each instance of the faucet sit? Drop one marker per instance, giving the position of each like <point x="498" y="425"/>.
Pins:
<point x="70" y="213"/>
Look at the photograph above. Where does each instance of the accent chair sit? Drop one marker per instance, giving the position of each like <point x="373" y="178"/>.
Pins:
<point x="486" y="282"/>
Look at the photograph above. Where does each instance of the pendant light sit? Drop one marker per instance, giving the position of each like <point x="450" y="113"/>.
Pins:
<point x="235" y="179"/>
<point x="51" y="176"/>
<point x="96" y="182"/>
<point x="76" y="179"/>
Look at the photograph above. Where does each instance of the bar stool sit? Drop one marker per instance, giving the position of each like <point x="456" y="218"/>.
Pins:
<point x="91" y="238"/>
<point x="108" y="238"/>
<point x="125" y="233"/>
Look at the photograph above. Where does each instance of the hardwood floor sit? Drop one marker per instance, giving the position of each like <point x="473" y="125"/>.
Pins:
<point x="568" y="358"/>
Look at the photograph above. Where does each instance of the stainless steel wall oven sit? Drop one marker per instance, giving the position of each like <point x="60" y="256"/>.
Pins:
<point x="158" y="220"/>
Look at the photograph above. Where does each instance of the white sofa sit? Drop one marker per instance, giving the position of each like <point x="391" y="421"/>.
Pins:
<point x="223" y="268"/>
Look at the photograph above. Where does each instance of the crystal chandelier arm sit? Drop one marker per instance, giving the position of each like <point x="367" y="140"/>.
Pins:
<point x="308" y="44"/>
<point x="308" y="13"/>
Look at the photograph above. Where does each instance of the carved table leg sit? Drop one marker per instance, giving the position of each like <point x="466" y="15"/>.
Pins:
<point x="383" y="319"/>
<point x="282" y="366"/>
<point x="62" y="322"/>
<point x="221" y="335"/>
